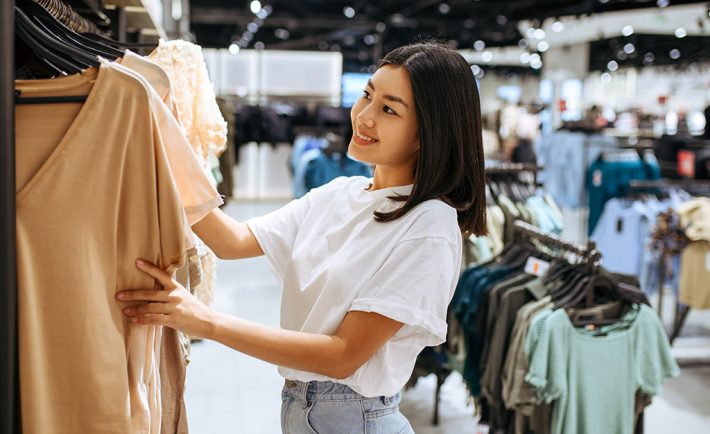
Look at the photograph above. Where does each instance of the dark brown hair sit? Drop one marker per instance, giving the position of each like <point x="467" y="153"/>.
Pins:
<point x="450" y="165"/>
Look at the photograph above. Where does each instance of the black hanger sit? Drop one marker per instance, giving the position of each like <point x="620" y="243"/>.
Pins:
<point x="56" y="28"/>
<point x="47" y="57"/>
<point x="118" y="44"/>
<point x="58" y="47"/>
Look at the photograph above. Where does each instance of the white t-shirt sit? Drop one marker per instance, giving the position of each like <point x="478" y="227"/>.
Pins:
<point x="333" y="257"/>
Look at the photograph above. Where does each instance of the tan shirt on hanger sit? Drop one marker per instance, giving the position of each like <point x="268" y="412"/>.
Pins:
<point x="94" y="192"/>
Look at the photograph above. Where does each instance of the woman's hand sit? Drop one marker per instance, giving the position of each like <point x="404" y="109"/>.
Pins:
<point x="172" y="306"/>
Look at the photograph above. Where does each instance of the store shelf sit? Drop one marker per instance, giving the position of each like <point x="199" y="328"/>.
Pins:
<point x="143" y="15"/>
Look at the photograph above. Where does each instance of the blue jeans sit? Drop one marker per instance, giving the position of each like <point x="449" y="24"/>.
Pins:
<point x="324" y="407"/>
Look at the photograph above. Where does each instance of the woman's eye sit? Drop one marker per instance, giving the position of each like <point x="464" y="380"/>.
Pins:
<point x="366" y="94"/>
<point x="387" y="109"/>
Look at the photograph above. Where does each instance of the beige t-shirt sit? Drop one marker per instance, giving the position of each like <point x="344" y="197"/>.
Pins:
<point x="94" y="192"/>
<point x="694" y="287"/>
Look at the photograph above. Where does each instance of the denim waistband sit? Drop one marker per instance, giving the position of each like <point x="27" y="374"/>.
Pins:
<point x="315" y="391"/>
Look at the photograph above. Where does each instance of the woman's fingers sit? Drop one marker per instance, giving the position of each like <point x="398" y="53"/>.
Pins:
<point x="158" y="274"/>
<point x="149" y="308"/>
<point x="143" y="295"/>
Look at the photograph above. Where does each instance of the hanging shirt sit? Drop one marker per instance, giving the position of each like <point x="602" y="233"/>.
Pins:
<point x="586" y="376"/>
<point x="332" y="257"/>
<point x="94" y="192"/>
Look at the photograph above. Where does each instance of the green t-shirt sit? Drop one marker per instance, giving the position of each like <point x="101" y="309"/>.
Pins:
<point x="591" y="379"/>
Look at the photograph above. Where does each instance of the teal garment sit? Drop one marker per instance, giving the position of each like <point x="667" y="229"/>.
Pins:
<point x="591" y="380"/>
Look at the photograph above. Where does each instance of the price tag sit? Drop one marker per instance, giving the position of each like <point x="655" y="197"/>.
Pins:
<point x="536" y="267"/>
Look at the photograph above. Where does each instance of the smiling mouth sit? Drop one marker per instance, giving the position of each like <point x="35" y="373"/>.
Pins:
<point x="363" y="139"/>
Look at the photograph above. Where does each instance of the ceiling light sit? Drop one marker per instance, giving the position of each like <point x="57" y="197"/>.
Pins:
<point x="444" y="8"/>
<point x="323" y="45"/>
<point x="536" y="65"/>
<point x="252" y="27"/>
<point x="348" y="11"/>
<point x="662" y="3"/>
<point x="543" y="46"/>
<point x="475" y="69"/>
<point x="675" y="53"/>
<point x="370" y="39"/>
<point x="487" y="56"/>
<point x="612" y="65"/>
<point x="606" y="77"/>
<point x="557" y="26"/>
<point x="501" y="20"/>
<point x="259" y="45"/>
<point x="523" y="43"/>
<point x="234" y="48"/>
<point x="680" y="32"/>
<point x="539" y="34"/>
<point x="648" y="58"/>
<point x="282" y="34"/>
<point x="262" y="14"/>
<point x="530" y="32"/>
<point x="627" y="30"/>
<point x="525" y="57"/>
<point x="381" y="27"/>
<point x="534" y="58"/>
<point x="255" y="6"/>
<point x="479" y="45"/>
<point x="629" y="48"/>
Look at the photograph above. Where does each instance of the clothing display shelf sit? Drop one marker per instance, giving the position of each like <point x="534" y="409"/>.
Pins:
<point x="693" y="186"/>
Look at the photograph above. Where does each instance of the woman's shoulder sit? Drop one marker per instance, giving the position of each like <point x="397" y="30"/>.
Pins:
<point x="434" y="218"/>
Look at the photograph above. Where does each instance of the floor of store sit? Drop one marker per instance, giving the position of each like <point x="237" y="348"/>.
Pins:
<point x="228" y="392"/>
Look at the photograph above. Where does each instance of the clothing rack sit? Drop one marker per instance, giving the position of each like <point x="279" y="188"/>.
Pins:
<point x="505" y="168"/>
<point x="9" y="377"/>
<point x="67" y="16"/>
<point x="681" y="311"/>
<point x="590" y="254"/>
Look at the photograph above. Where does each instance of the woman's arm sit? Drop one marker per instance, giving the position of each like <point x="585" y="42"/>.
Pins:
<point x="228" y="238"/>
<point x="357" y="339"/>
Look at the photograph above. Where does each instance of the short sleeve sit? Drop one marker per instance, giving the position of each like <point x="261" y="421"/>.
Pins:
<point x="547" y="361"/>
<point x="199" y="197"/>
<point x="414" y="286"/>
<point x="655" y="361"/>
<point x="276" y="232"/>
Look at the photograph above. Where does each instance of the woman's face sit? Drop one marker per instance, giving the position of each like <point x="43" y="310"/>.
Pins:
<point x="384" y="121"/>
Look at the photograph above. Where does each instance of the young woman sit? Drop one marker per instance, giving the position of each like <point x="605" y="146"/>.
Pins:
<point x="368" y="266"/>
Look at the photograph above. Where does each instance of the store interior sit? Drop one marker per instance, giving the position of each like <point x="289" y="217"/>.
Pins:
<point x="596" y="135"/>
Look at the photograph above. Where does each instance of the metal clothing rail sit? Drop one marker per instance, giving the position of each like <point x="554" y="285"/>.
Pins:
<point x="9" y="384"/>
<point x="669" y="183"/>
<point x="529" y="230"/>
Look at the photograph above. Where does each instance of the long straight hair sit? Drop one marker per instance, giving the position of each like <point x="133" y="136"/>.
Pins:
<point x="450" y="165"/>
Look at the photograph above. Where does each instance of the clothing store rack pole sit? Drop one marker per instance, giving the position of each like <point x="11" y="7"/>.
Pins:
<point x="9" y="383"/>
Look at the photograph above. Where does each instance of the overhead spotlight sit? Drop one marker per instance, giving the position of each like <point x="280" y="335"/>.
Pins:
<point x="282" y="34"/>
<point x="543" y="46"/>
<point x="255" y="6"/>
<point x="253" y="27"/>
<point x="475" y="69"/>
<point x="348" y="11"/>
<point x="234" y="48"/>
<point x="536" y="65"/>
<point x="523" y="43"/>
<point x="524" y="57"/>
<point x="662" y="3"/>
<point x="606" y="77"/>
<point x="370" y="39"/>
<point x="674" y="53"/>
<point x="558" y="26"/>
<point x="680" y="32"/>
<point x="621" y="55"/>
<point x="444" y="8"/>
<point x="323" y="45"/>
<point x="248" y="36"/>
<point x="380" y="27"/>
<point x="268" y="9"/>
<point x="539" y="34"/>
<point x="629" y="48"/>
<point x="262" y="14"/>
<point x="335" y="47"/>
<point x="501" y="20"/>
<point x="627" y="30"/>
<point x="612" y="65"/>
<point x="479" y="45"/>
<point x="259" y="45"/>
<point x="487" y="56"/>
<point x="530" y="32"/>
